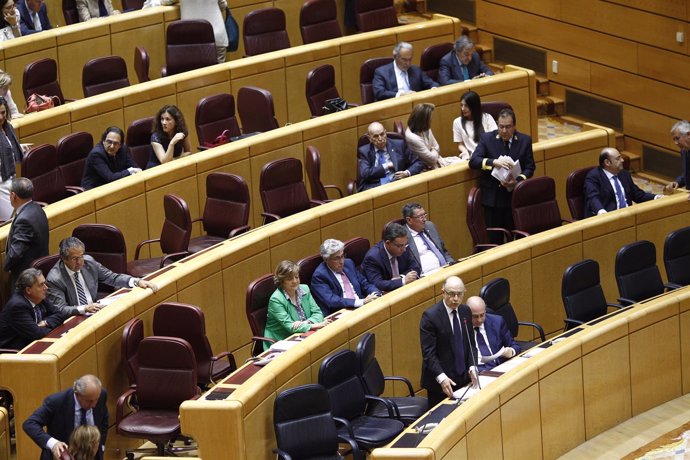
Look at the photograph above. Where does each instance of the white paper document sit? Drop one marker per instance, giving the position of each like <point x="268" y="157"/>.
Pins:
<point x="105" y="301"/>
<point x="503" y="174"/>
<point x="284" y="345"/>
<point x="488" y="359"/>
<point x="510" y="364"/>
<point x="464" y="393"/>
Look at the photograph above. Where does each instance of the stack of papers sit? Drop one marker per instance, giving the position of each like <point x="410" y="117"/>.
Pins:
<point x="503" y="174"/>
<point x="465" y="393"/>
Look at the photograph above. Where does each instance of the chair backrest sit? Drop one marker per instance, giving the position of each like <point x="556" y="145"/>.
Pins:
<point x="307" y="266"/>
<point x="40" y="77"/>
<point x="496" y="295"/>
<point x="677" y="256"/>
<point x="177" y="228"/>
<point x="142" y="63"/>
<point x="132" y="335"/>
<point x="139" y="140"/>
<point x="318" y="21"/>
<point x="320" y="87"/>
<point x="255" y="107"/>
<point x="535" y="208"/>
<point x="303" y="423"/>
<point x="375" y="14"/>
<point x="637" y="274"/>
<point x="282" y="188"/>
<point x="69" y="11"/>
<point x="366" y="75"/>
<point x="215" y="114"/>
<point x="475" y="217"/>
<point x="105" y="243"/>
<point x="104" y="74"/>
<point x="369" y="368"/>
<point x="131" y="5"/>
<point x="583" y="297"/>
<point x="313" y="166"/>
<point x="430" y="60"/>
<point x="400" y="221"/>
<point x="256" y="306"/>
<point x="227" y="204"/>
<point x="190" y="44"/>
<point x="264" y="31"/>
<point x="493" y="108"/>
<point x="41" y="166"/>
<point x="45" y="263"/>
<point x="575" y="192"/>
<point x="339" y="374"/>
<point x="72" y="151"/>
<point x="356" y="249"/>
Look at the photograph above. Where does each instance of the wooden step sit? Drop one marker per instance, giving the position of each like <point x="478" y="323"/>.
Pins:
<point x="620" y="141"/>
<point x="542" y="86"/>
<point x="486" y="53"/>
<point x="471" y="31"/>
<point x="655" y="177"/>
<point x="631" y="161"/>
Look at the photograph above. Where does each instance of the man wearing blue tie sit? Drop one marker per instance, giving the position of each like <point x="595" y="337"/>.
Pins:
<point x="425" y="243"/>
<point x="680" y="133"/>
<point x="461" y="63"/>
<point x="400" y="77"/>
<point x="610" y="187"/>
<point x="491" y="335"/>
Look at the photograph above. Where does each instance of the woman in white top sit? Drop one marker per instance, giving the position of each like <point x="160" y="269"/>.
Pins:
<point x="471" y="124"/>
<point x="421" y="141"/>
<point x="212" y="11"/>
<point x="9" y="23"/>
<point x="5" y="82"/>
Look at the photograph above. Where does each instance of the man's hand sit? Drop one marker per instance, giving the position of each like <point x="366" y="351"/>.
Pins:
<point x="92" y="307"/>
<point x="508" y="353"/>
<point x="400" y="175"/>
<point x="144" y="284"/>
<point x="502" y="163"/>
<point x="411" y="276"/>
<point x="58" y="449"/>
<point x="671" y="187"/>
<point x="481" y="75"/>
<point x="474" y="378"/>
<point x="370" y="297"/>
<point x="509" y="184"/>
<point x="447" y="387"/>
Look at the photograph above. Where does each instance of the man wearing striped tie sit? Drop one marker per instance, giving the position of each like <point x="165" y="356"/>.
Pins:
<point x="73" y="281"/>
<point x="491" y="335"/>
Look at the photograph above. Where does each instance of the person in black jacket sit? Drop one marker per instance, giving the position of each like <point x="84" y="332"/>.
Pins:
<point x="108" y="161"/>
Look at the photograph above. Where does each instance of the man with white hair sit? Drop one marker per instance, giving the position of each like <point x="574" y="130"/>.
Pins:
<point x="681" y="137"/>
<point x="400" y="77"/>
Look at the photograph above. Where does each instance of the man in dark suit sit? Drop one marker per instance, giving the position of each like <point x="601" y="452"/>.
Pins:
<point x="448" y="349"/>
<point x="400" y="76"/>
<point x="681" y="137"/>
<point x="83" y="404"/>
<point x="491" y="153"/>
<point x="462" y="63"/>
<point x="425" y="243"/>
<point x="33" y="16"/>
<point x="384" y="160"/>
<point x="73" y="281"/>
<point x="610" y="187"/>
<point x="336" y="283"/>
<point x="388" y="265"/>
<point x="28" y="237"/>
<point x="28" y="316"/>
<point x="491" y="334"/>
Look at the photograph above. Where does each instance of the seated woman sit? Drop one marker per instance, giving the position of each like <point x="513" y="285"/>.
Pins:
<point x="5" y="82"/>
<point x="90" y="9"/>
<point x="84" y="442"/>
<point x="421" y="141"/>
<point x="471" y="124"/>
<point x="9" y="22"/>
<point x="11" y="151"/>
<point x="108" y="161"/>
<point x="169" y="138"/>
<point x="291" y="308"/>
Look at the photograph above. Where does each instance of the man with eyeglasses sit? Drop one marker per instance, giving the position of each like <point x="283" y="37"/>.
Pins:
<point x="336" y="283"/>
<point x="680" y="133"/>
<point x="425" y="243"/>
<point x="400" y="77"/>
<point x="388" y="265"/>
<point x="461" y="63"/>
<point x="108" y="161"/>
<point x="73" y="281"/>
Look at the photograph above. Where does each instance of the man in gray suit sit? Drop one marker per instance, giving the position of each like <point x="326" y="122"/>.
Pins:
<point x="425" y="244"/>
<point x="73" y="281"/>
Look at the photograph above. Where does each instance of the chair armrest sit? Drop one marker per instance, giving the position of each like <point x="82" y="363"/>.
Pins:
<point x="73" y="189"/>
<point x="346" y="424"/>
<point x="334" y="187"/>
<point x="315" y="203"/>
<point x="239" y="230"/>
<point x="42" y="204"/>
<point x="614" y="305"/>
<point x="536" y="326"/>
<point x="198" y="219"/>
<point x="225" y="354"/>
<point x="625" y="301"/>
<point x="201" y="148"/>
<point x="672" y="286"/>
<point x="356" y="455"/>
<point x="270" y="217"/>
<point x="119" y="410"/>
<point x="506" y="234"/>
<point x="70" y="100"/>
<point x="141" y="245"/>
<point x="483" y="247"/>
<point x="351" y="187"/>
<point x="393" y="411"/>
<point x="401" y="379"/>
<point x="349" y="105"/>
<point x="520" y="234"/>
<point x="10" y="351"/>
<point x="572" y="322"/>
<point x="168" y="258"/>
<point x="567" y="221"/>
<point x="282" y="454"/>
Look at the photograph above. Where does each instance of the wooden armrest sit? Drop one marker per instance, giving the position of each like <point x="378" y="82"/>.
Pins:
<point x="168" y="258"/>
<point x="239" y="230"/>
<point x="270" y="217"/>
<point x="141" y="245"/>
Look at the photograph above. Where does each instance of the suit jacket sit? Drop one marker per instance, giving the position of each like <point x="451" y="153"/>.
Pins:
<point x="499" y="336"/>
<point x="685" y="168"/>
<point x="450" y="70"/>
<point x="377" y="267"/>
<point x="28" y="239"/>
<point x="62" y="293"/>
<point x="385" y="84"/>
<point x="435" y="238"/>
<point x="18" y="326"/>
<point x="56" y="414"/>
<point x="599" y="193"/>
<point x="101" y="168"/>
<point x="281" y="315"/>
<point x="26" y="21"/>
<point x="370" y="172"/>
<point x="88" y="9"/>
<point x="438" y="353"/>
<point x="490" y="147"/>
<point x="327" y="290"/>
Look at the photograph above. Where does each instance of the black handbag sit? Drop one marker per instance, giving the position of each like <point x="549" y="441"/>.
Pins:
<point x="233" y="31"/>
<point x="337" y="104"/>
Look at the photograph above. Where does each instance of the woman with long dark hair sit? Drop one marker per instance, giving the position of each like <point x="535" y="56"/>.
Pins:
<point x="471" y="124"/>
<point x="170" y="137"/>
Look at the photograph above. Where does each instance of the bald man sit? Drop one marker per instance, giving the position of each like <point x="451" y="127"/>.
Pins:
<point x="491" y="334"/>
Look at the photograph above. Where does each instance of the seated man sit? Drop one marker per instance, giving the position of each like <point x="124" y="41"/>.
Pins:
<point x="73" y="281"/>
<point x="388" y="265"/>
<point x="400" y="77"/>
<point x="336" y="283"/>
<point x="384" y="160"/>
<point x="90" y="9"/>
<point x="425" y="244"/>
<point x="491" y="334"/>
<point x="462" y="63"/>
<point x="680" y="133"/>
<point x="610" y="187"/>
<point x="28" y="316"/>
<point x="33" y="16"/>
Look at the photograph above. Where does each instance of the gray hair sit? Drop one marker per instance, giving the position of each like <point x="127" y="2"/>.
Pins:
<point x="462" y="43"/>
<point x="394" y="231"/>
<point x="409" y="209"/>
<point x="22" y="187"/>
<point x="27" y="278"/>
<point x="68" y="243"/>
<point x="401" y="46"/>
<point x="82" y="383"/>
<point x="5" y="79"/>
<point x="330" y="247"/>
<point x="682" y="127"/>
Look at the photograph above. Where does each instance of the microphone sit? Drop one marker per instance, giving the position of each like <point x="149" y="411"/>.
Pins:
<point x="474" y="362"/>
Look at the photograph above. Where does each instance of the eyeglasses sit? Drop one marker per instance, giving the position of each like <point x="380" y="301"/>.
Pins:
<point x="75" y="258"/>
<point x="109" y="142"/>
<point x="677" y="138"/>
<point x="340" y="257"/>
<point x="421" y="216"/>
<point x="398" y="245"/>
<point x="377" y="135"/>
<point x="454" y="293"/>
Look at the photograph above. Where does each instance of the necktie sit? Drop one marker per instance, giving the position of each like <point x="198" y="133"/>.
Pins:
<point x="507" y="144"/>
<point x="80" y="290"/>
<point x="403" y="74"/>
<point x="102" y="11"/>
<point x="394" y="267"/>
<point x="465" y="74"/>
<point x="619" y="192"/>
<point x="686" y="166"/>
<point x="38" y="314"/>
<point x="481" y="343"/>
<point x="457" y="343"/>
<point x="349" y="293"/>
<point x="381" y="158"/>
<point x="37" y="22"/>
<point x="82" y="416"/>
<point x="432" y="247"/>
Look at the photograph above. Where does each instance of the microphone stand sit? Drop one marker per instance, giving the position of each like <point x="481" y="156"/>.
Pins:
<point x="474" y="362"/>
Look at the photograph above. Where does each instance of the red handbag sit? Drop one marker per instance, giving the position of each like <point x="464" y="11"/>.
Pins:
<point x="223" y="138"/>
<point x="37" y="102"/>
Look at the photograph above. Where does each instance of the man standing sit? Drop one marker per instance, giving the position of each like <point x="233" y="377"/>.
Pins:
<point x="336" y="283"/>
<point x="28" y="316"/>
<point x="681" y="137"/>
<point x="491" y="334"/>
<point x="33" y="16"/>
<point x="426" y="245"/>
<point x="610" y="187"/>
<point x="388" y="265"/>
<point x="61" y="413"/>
<point x="73" y="281"/>
<point x="448" y="349"/>
<point x="497" y="195"/>
<point x="384" y="160"/>
<point x="28" y="237"/>
<point x="400" y="77"/>
<point x="462" y="63"/>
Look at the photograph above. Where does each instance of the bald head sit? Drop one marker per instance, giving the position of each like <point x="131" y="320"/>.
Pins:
<point x="611" y="160"/>
<point x="453" y="292"/>
<point x="87" y="389"/>
<point x="478" y="307"/>
<point x="377" y="135"/>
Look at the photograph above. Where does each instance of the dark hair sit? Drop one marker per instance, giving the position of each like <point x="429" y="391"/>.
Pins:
<point x="409" y="209"/>
<point x="3" y="23"/>
<point x="394" y="231"/>
<point x="180" y="125"/>
<point x="22" y="187"/>
<point x="116" y="130"/>
<point x="8" y="113"/>
<point x="27" y="278"/>
<point x="474" y="103"/>
<point x="508" y="113"/>
<point x="420" y="117"/>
